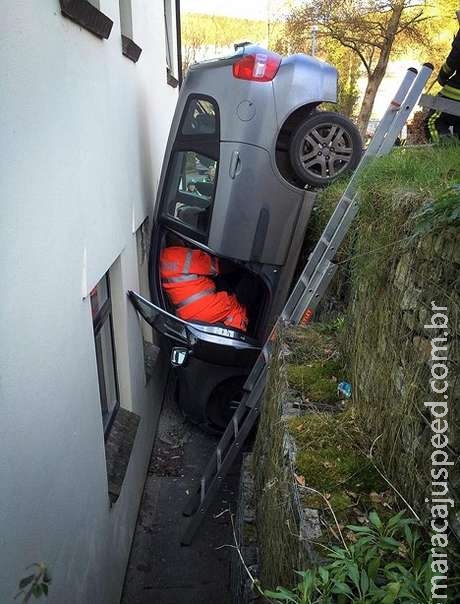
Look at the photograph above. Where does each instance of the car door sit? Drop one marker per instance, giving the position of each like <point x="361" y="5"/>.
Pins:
<point x="210" y="343"/>
<point x="254" y="212"/>
<point x="186" y="201"/>
<point x="167" y="324"/>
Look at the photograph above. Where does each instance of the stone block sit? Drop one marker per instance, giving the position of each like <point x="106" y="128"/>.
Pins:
<point x="402" y="271"/>
<point x="425" y="247"/>
<point x="310" y="526"/>
<point x="423" y="347"/>
<point x="411" y="297"/>
<point x="410" y="318"/>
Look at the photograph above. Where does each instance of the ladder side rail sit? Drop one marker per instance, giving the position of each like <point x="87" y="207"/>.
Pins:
<point x="311" y="297"/>
<point x="319" y="255"/>
<point x="261" y="362"/>
<point x="339" y="230"/>
<point x="348" y="197"/>
<point x="409" y="103"/>
<point x="384" y="125"/>
<point x="391" y="114"/>
<point x="196" y="519"/>
<point x="212" y="465"/>
<point x="210" y="473"/>
<point x="323" y="243"/>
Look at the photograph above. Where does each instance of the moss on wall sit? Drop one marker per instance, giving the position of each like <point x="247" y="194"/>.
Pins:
<point x="276" y="514"/>
<point x="388" y="276"/>
<point x="395" y="276"/>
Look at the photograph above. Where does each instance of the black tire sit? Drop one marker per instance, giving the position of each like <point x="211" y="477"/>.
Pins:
<point x="324" y="146"/>
<point x="222" y="404"/>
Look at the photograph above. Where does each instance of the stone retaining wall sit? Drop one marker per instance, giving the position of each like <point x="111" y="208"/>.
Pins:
<point x="392" y="278"/>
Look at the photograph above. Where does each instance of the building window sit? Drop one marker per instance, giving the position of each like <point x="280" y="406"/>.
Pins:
<point x="171" y="44"/>
<point x="129" y="48"/>
<point x="101" y="310"/>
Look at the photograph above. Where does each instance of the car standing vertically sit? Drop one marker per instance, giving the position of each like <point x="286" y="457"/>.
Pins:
<point x="246" y="141"/>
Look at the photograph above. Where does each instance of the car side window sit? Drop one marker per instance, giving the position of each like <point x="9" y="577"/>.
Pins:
<point x="191" y="179"/>
<point x="190" y="194"/>
<point x="200" y="118"/>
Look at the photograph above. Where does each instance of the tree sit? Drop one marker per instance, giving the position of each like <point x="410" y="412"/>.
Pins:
<point x="370" y="29"/>
<point x="289" y="39"/>
<point x="206" y="36"/>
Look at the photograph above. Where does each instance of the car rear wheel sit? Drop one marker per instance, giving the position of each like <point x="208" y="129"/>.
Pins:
<point x="324" y="146"/>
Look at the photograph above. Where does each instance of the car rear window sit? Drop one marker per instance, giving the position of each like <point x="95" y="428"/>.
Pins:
<point x="200" y="117"/>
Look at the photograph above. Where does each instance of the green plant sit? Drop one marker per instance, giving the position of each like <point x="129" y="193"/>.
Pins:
<point x="386" y="564"/>
<point x="441" y="212"/>
<point x="36" y="584"/>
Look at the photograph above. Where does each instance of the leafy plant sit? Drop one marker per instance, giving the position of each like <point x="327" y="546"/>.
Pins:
<point x="385" y="565"/>
<point x="36" y="584"/>
<point x="443" y="211"/>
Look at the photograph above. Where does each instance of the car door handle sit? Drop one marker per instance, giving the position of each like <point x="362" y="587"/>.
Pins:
<point x="235" y="164"/>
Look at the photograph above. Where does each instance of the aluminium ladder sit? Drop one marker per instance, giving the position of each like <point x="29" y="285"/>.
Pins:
<point x="304" y="299"/>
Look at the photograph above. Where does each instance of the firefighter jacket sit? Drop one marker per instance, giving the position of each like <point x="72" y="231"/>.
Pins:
<point x="449" y="75"/>
<point x="186" y="277"/>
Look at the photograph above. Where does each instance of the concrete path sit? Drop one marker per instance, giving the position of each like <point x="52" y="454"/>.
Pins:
<point x="161" y="571"/>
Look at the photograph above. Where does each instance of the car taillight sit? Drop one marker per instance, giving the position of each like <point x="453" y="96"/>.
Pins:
<point x="260" y="67"/>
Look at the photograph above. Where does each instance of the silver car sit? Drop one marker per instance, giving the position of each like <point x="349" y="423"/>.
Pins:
<point x="246" y="142"/>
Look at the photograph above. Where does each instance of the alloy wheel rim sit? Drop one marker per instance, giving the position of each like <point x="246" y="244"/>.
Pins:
<point x="326" y="150"/>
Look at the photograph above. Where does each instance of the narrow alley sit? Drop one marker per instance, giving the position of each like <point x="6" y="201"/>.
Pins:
<point x="160" y="570"/>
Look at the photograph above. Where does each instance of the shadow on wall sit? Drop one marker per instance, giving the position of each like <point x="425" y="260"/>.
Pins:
<point x="145" y="151"/>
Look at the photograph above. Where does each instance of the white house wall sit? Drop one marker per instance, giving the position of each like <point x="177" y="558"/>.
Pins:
<point x="83" y="131"/>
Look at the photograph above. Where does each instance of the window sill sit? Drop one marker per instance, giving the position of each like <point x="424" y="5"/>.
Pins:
<point x="130" y="49"/>
<point x="170" y="79"/>
<point x="118" y="448"/>
<point x="88" y="16"/>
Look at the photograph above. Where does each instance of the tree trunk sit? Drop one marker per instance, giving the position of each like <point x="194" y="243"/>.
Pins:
<point x="365" y="112"/>
<point x="376" y="76"/>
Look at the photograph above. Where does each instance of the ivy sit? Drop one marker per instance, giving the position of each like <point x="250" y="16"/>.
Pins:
<point x="36" y="584"/>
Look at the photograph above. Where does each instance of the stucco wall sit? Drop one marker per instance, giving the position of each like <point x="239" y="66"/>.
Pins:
<point x="83" y="131"/>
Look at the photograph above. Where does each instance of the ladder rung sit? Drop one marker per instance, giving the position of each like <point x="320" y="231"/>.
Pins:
<point x="202" y="488"/>
<point x="235" y="426"/>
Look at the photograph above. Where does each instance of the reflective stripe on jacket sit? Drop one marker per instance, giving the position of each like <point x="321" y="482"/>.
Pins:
<point x="185" y="274"/>
<point x="451" y="70"/>
<point x="186" y="278"/>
